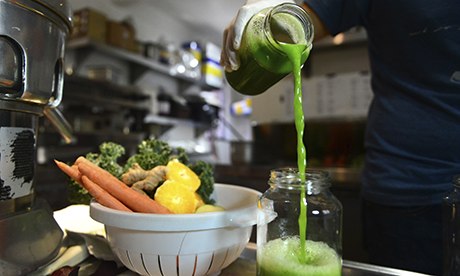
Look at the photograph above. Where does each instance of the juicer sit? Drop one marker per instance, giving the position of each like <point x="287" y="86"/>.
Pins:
<point x="32" y="41"/>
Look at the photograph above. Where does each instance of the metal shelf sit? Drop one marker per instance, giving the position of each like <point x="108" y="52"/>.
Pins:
<point x="141" y="63"/>
<point x="171" y="121"/>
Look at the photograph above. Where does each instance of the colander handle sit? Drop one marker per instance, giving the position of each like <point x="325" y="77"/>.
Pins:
<point x="242" y="219"/>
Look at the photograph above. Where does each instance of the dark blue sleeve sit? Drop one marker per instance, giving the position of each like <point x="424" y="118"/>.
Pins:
<point x="340" y="15"/>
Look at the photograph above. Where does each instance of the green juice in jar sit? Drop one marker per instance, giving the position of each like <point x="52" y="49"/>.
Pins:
<point x="281" y="258"/>
<point x="262" y="61"/>
<point x="297" y="255"/>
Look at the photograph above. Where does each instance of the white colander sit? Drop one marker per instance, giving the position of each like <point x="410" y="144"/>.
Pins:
<point x="182" y="244"/>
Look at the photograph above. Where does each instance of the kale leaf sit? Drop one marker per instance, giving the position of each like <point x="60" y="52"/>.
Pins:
<point x="154" y="152"/>
<point x="150" y="153"/>
<point x="205" y="173"/>
<point x="106" y="158"/>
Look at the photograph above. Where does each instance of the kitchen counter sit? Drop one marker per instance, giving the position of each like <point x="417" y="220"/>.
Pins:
<point x="86" y="249"/>
<point x="243" y="266"/>
<point x="246" y="266"/>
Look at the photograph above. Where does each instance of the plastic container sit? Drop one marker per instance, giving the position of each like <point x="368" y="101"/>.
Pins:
<point x="182" y="244"/>
<point x="262" y="62"/>
<point x="451" y="224"/>
<point x="280" y="247"/>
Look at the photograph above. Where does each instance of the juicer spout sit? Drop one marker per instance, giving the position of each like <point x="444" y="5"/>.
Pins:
<point x="58" y="120"/>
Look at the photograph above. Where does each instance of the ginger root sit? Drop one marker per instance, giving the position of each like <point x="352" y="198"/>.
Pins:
<point x="144" y="180"/>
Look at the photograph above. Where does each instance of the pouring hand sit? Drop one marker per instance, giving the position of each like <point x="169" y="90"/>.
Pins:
<point x="234" y="31"/>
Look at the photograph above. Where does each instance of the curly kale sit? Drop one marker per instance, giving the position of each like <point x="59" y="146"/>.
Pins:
<point x="107" y="157"/>
<point x="205" y="173"/>
<point x="78" y="195"/>
<point x="150" y="153"/>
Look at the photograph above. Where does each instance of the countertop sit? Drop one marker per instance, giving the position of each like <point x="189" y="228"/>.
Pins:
<point x="91" y="249"/>
<point x="243" y="266"/>
<point x="246" y="266"/>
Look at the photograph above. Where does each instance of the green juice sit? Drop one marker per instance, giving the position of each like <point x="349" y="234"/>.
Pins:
<point x="281" y="258"/>
<point x="294" y="52"/>
<point x="277" y="42"/>
<point x="262" y="64"/>
<point x="296" y="255"/>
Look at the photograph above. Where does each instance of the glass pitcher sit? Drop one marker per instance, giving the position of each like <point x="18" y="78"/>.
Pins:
<point x="262" y="62"/>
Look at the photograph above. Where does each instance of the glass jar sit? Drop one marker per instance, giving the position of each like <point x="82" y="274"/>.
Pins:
<point x="299" y="228"/>
<point x="262" y="60"/>
<point x="451" y="228"/>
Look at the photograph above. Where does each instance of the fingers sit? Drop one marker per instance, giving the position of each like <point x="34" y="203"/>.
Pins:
<point x="234" y="32"/>
<point x="239" y="24"/>
<point x="229" y="58"/>
<point x="232" y="38"/>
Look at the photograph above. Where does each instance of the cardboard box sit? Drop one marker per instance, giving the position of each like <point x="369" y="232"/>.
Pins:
<point x="212" y="71"/>
<point x="89" y="23"/>
<point x="122" y="35"/>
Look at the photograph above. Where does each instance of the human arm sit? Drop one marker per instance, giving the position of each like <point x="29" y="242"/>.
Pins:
<point x="318" y="25"/>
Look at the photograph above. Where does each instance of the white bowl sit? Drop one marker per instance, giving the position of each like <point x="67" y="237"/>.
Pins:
<point x="182" y="244"/>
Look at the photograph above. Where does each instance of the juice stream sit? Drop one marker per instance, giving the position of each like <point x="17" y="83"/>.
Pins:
<point x="294" y="53"/>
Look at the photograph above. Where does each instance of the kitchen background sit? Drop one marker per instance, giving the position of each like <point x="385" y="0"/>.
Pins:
<point x="150" y="68"/>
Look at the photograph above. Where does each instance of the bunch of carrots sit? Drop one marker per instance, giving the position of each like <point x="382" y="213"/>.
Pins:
<point x="108" y="190"/>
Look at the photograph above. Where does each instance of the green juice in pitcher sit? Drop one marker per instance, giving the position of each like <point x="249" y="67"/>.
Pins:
<point x="262" y="61"/>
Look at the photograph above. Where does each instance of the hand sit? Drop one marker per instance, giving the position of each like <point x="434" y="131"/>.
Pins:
<point x="234" y="31"/>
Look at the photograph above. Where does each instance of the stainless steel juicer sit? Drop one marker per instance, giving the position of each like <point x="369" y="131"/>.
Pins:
<point x="32" y="41"/>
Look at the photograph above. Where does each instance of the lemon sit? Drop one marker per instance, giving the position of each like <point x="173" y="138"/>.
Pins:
<point x="176" y="197"/>
<point x="209" y="208"/>
<point x="198" y="201"/>
<point x="179" y="172"/>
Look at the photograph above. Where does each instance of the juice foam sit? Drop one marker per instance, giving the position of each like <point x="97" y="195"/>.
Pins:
<point x="280" y="257"/>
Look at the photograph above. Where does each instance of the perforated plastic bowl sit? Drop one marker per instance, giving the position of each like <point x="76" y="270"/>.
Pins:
<point x="182" y="244"/>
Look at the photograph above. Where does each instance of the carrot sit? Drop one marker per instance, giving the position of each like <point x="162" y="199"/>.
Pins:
<point x="132" y="199"/>
<point x="102" y="196"/>
<point x="72" y="172"/>
<point x="94" y="190"/>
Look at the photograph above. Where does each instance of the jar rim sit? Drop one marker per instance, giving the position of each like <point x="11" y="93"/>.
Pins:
<point x="296" y="11"/>
<point x="290" y="176"/>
